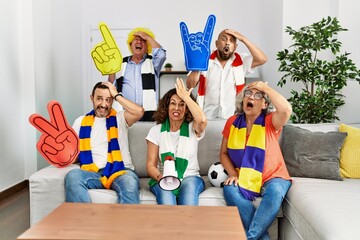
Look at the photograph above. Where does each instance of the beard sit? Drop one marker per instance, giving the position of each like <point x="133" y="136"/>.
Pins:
<point x="101" y="111"/>
<point x="225" y="54"/>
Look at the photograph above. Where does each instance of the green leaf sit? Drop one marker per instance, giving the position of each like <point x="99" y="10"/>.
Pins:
<point x="322" y="79"/>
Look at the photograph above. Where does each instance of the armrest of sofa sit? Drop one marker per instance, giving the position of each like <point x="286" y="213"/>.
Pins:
<point x="47" y="191"/>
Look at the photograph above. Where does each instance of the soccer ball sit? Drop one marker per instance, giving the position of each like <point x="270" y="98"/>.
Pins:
<point x="217" y="174"/>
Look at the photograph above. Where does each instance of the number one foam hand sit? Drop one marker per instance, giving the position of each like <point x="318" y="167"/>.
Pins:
<point x="58" y="143"/>
<point x="106" y="55"/>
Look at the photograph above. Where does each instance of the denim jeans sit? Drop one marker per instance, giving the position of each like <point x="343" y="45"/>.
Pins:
<point x="190" y="189"/>
<point x="257" y="221"/>
<point x="77" y="183"/>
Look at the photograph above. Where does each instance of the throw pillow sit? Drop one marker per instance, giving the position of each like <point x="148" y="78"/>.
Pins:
<point x="350" y="153"/>
<point x="312" y="154"/>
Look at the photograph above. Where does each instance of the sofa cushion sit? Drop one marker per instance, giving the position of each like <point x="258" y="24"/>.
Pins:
<point x="350" y="152"/>
<point x="47" y="190"/>
<point x="138" y="146"/>
<point x="312" y="154"/>
<point x="209" y="146"/>
<point x="322" y="209"/>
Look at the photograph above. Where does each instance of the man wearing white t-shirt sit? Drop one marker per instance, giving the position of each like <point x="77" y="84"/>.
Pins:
<point x="105" y="161"/>
<point x="225" y="77"/>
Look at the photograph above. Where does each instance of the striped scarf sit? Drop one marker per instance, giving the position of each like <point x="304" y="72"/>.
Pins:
<point x="248" y="155"/>
<point x="239" y="77"/>
<point x="148" y="84"/>
<point x="114" y="166"/>
<point x="180" y="155"/>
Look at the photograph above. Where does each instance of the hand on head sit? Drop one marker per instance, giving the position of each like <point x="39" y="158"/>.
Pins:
<point x="181" y="90"/>
<point x="141" y="34"/>
<point x="112" y="88"/>
<point x="259" y="85"/>
<point x="234" y="33"/>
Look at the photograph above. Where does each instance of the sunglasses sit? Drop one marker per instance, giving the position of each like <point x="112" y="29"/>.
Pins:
<point x="257" y="95"/>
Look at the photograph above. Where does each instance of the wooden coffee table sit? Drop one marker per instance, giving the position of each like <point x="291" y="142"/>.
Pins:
<point x="117" y="221"/>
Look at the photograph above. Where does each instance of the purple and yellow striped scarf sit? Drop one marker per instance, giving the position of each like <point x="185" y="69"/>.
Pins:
<point x="114" y="166"/>
<point x="248" y="157"/>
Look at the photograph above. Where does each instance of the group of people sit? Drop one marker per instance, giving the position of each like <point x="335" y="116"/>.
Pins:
<point x="249" y="151"/>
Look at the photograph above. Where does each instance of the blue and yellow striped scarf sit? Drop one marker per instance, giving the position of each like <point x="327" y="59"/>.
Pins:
<point x="248" y="157"/>
<point x="114" y="166"/>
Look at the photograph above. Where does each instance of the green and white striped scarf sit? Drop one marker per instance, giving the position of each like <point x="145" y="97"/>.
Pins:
<point x="166" y="148"/>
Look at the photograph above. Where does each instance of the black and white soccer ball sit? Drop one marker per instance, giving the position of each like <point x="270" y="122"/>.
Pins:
<point x="217" y="175"/>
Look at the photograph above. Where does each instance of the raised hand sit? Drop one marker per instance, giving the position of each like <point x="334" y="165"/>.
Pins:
<point x="181" y="89"/>
<point x="197" y="45"/>
<point x="106" y="55"/>
<point x="58" y="144"/>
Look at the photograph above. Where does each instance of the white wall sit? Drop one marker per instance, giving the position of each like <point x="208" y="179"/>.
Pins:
<point x="272" y="28"/>
<point x="165" y="23"/>
<point x="45" y="53"/>
<point x="298" y="13"/>
<point x="349" y="18"/>
<point x="17" y="153"/>
<point x="344" y="10"/>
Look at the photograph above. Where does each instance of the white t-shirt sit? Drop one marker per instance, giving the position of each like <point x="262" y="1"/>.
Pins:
<point x="193" y="164"/>
<point x="220" y="92"/>
<point x="99" y="141"/>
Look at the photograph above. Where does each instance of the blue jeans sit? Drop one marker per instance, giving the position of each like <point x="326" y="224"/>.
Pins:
<point x="257" y="221"/>
<point x="77" y="183"/>
<point x="190" y="189"/>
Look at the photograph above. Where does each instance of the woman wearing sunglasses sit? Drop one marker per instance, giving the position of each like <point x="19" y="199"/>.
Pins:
<point x="251" y="155"/>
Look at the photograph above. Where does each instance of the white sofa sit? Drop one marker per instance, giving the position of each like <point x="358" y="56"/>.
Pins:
<point x="321" y="209"/>
<point x="313" y="208"/>
<point x="47" y="185"/>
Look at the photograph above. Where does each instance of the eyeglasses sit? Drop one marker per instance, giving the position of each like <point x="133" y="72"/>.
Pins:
<point x="257" y="95"/>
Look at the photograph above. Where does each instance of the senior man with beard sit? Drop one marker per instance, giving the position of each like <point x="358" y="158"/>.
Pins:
<point x="225" y="77"/>
<point x="105" y="161"/>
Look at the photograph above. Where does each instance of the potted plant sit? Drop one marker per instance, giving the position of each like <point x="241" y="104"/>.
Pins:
<point x="322" y="79"/>
<point x="168" y="67"/>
